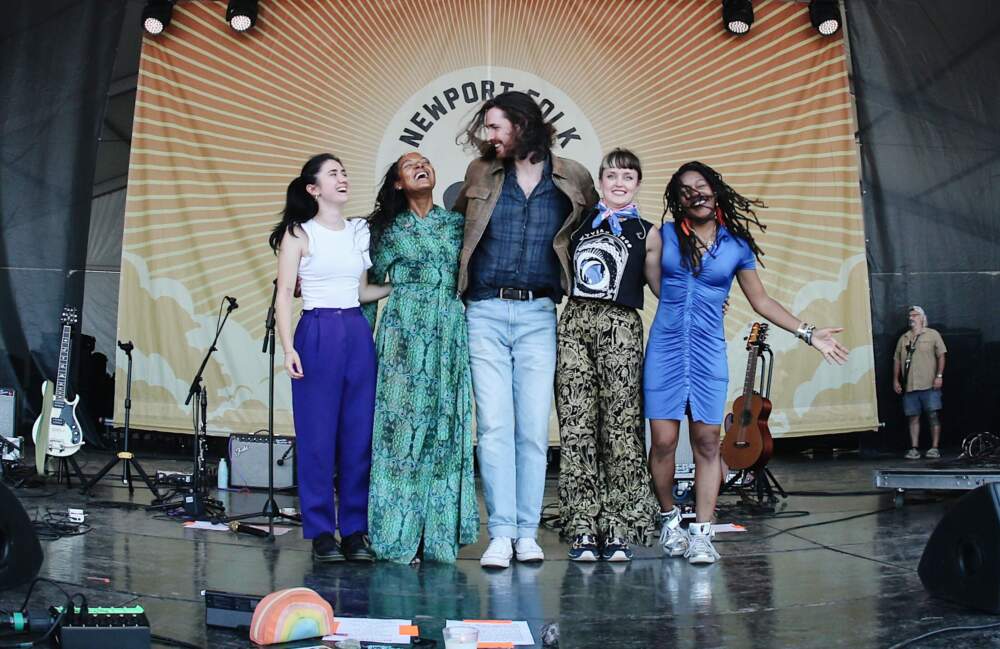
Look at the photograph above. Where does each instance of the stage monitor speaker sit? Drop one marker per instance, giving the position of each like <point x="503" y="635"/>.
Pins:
<point x="20" y="551"/>
<point x="8" y="411"/>
<point x="961" y="561"/>
<point x="248" y="461"/>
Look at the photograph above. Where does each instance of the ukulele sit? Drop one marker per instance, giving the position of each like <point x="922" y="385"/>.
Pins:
<point x="748" y="443"/>
<point x="64" y="434"/>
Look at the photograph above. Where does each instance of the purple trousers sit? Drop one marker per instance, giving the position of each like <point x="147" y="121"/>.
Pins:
<point x="333" y="405"/>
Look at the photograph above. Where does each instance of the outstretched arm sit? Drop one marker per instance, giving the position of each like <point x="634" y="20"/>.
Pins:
<point x="822" y="338"/>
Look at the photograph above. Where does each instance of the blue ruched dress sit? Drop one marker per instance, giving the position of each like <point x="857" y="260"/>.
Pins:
<point x="686" y="355"/>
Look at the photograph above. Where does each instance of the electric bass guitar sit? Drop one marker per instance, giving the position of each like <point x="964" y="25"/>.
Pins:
<point x="64" y="434"/>
<point x="748" y="443"/>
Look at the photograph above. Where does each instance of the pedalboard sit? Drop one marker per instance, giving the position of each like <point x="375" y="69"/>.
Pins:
<point x="102" y="628"/>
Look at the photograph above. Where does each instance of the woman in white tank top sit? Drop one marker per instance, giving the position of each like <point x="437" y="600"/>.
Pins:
<point x="331" y="358"/>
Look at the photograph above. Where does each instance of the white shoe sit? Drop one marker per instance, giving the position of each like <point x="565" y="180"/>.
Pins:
<point x="673" y="538"/>
<point x="498" y="553"/>
<point x="528" y="551"/>
<point x="701" y="550"/>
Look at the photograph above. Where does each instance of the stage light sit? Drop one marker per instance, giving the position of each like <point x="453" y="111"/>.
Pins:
<point x="156" y="15"/>
<point x="825" y="16"/>
<point x="737" y="15"/>
<point x="241" y="14"/>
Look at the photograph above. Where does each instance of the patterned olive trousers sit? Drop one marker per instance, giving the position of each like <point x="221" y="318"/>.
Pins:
<point x="604" y="482"/>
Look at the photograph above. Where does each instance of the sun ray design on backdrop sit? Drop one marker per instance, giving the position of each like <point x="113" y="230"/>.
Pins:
<point x="224" y="121"/>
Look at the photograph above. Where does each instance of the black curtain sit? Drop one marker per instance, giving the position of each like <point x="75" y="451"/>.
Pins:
<point x="56" y="58"/>
<point x="928" y="97"/>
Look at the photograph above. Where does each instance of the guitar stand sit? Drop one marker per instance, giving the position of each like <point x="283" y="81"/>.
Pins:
<point x="66" y="465"/>
<point x="761" y="479"/>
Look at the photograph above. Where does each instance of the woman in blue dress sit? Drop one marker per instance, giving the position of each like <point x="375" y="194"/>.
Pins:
<point x="686" y="371"/>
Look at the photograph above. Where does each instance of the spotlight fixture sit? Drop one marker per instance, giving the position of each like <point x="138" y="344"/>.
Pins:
<point x="825" y="16"/>
<point x="241" y="14"/>
<point x="156" y="15"/>
<point x="737" y="16"/>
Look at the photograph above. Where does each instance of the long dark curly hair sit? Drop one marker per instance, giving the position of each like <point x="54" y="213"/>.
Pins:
<point x="300" y="206"/>
<point x="390" y="202"/>
<point x="737" y="213"/>
<point x="535" y="136"/>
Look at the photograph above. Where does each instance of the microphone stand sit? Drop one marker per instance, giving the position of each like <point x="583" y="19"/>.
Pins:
<point x="125" y="455"/>
<point x="195" y="501"/>
<point x="270" y="509"/>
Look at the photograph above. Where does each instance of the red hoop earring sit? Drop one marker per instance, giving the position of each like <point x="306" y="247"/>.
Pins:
<point x="718" y="214"/>
<point x="685" y="228"/>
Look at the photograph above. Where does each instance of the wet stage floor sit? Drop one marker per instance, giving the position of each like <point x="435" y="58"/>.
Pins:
<point x="845" y="584"/>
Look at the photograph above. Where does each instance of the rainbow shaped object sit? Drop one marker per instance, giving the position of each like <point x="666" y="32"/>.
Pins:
<point x="291" y="614"/>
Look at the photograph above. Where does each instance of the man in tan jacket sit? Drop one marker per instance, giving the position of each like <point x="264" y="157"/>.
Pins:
<point x="521" y="203"/>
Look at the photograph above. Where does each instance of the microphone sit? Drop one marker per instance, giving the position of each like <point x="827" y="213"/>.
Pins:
<point x="126" y="347"/>
<point x="232" y="303"/>
<point x="238" y="527"/>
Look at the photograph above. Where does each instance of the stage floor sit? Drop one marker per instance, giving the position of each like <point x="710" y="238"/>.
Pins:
<point x="844" y="584"/>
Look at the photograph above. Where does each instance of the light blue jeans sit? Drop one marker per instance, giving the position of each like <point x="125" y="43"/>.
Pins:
<point x="512" y="354"/>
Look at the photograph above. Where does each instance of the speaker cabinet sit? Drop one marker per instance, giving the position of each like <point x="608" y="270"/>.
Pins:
<point x="248" y="461"/>
<point x="8" y="412"/>
<point x="961" y="561"/>
<point x="20" y="551"/>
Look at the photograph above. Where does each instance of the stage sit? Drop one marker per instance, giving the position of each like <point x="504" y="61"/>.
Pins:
<point x="847" y="584"/>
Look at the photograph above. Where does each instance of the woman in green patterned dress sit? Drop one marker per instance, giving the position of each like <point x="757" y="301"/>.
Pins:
<point x="422" y="499"/>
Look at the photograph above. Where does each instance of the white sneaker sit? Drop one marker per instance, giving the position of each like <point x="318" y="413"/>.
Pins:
<point x="701" y="550"/>
<point x="498" y="553"/>
<point x="528" y="551"/>
<point x="673" y="537"/>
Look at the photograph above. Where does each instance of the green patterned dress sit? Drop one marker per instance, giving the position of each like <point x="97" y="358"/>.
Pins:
<point x="422" y="485"/>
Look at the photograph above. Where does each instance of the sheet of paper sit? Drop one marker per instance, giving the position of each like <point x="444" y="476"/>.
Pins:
<point x="498" y="632"/>
<point x="728" y="527"/>
<point x="219" y="527"/>
<point x="364" y="629"/>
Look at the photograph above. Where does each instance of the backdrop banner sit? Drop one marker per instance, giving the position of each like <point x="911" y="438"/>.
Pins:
<point x="224" y="121"/>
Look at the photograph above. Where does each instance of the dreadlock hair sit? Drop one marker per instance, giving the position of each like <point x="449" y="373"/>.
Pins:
<point x="389" y="203"/>
<point x="535" y="136"/>
<point x="300" y="206"/>
<point x="737" y="212"/>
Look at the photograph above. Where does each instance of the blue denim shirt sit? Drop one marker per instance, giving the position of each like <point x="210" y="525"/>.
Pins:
<point x="516" y="248"/>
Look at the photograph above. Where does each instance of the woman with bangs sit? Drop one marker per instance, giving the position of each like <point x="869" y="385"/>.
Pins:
<point x="604" y="484"/>
<point x="330" y="358"/>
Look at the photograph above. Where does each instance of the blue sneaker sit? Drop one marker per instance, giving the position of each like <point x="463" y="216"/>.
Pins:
<point x="616" y="550"/>
<point x="584" y="548"/>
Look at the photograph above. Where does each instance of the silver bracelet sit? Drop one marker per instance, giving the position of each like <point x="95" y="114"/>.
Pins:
<point x="805" y="333"/>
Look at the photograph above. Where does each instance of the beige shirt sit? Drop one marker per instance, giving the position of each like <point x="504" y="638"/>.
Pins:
<point x="923" y="366"/>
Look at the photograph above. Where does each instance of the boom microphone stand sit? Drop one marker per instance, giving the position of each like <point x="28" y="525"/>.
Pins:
<point x="270" y="509"/>
<point x="125" y="455"/>
<point x="196" y="501"/>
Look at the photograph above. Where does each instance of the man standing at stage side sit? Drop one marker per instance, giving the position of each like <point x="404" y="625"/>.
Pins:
<point x="918" y="374"/>
<point x="520" y="202"/>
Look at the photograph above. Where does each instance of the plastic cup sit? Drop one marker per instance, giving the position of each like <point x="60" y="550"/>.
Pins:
<point x="460" y="637"/>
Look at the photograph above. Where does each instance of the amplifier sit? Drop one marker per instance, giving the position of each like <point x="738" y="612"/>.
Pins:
<point x="229" y="610"/>
<point x="8" y="410"/>
<point x="248" y="461"/>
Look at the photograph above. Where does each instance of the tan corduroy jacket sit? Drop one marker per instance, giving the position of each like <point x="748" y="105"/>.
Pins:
<point x="479" y="194"/>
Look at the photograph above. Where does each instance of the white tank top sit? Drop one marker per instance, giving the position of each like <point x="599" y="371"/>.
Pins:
<point x="331" y="272"/>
